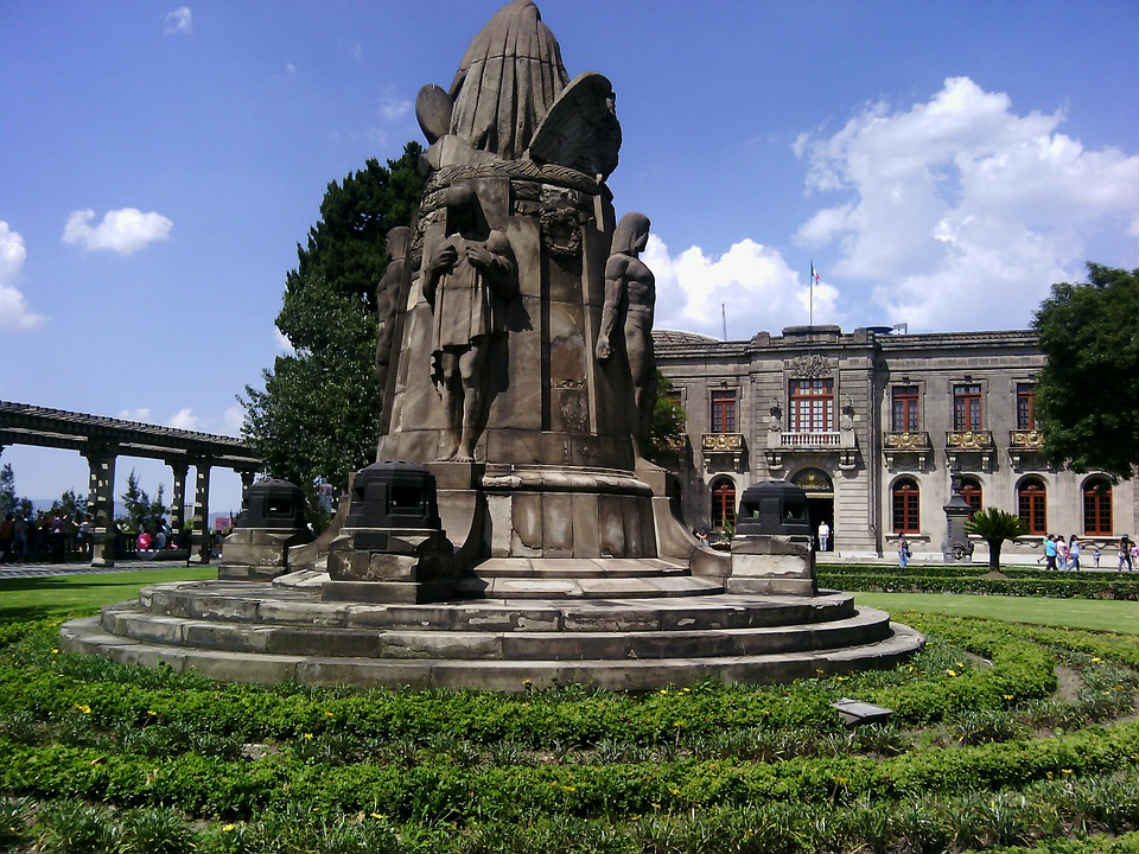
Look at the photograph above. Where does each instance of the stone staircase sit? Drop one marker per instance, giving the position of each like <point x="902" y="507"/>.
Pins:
<point x="631" y="625"/>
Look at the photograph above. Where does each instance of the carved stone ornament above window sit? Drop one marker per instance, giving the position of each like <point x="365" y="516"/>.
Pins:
<point x="808" y="367"/>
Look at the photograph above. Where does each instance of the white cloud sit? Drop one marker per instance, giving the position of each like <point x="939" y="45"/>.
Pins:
<point x="183" y="419"/>
<point x="757" y="287"/>
<point x="140" y="414"/>
<point x="232" y="420"/>
<point x="124" y="231"/>
<point x="961" y="210"/>
<point x="14" y="310"/>
<point x="282" y="342"/>
<point x="290" y="69"/>
<point x="392" y="108"/>
<point x="178" y="21"/>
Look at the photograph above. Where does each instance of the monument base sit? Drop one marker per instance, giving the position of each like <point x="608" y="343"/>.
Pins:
<point x="772" y="564"/>
<point x="258" y="553"/>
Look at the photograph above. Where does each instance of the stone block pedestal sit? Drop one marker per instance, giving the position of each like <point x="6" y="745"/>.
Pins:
<point x="258" y="554"/>
<point x="773" y="564"/>
<point x="390" y="565"/>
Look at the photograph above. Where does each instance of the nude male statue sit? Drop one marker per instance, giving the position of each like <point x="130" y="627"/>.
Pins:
<point x="630" y="296"/>
<point x="387" y="297"/>
<point x="471" y="276"/>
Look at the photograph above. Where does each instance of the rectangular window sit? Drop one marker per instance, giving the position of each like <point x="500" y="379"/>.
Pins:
<point x="904" y="409"/>
<point x="904" y="507"/>
<point x="1026" y="405"/>
<point x="967" y="408"/>
<point x="810" y="406"/>
<point x="723" y="412"/>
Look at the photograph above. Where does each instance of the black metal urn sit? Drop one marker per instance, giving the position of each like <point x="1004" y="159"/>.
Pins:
<point x="393" y="494"/>
<point x="773" y="507"/>
<point x="274" y="504"/>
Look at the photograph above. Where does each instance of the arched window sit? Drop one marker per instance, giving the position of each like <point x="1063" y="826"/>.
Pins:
<point x="1031" y="504"/>
<point x="972" y="493"/>
<point x="723" y="510"/>
<point x="904" y="506"/>
<point x="1098" y="506"/>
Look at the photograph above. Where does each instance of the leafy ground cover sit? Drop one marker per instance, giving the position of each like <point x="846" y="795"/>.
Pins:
<point x="984" y="752"/>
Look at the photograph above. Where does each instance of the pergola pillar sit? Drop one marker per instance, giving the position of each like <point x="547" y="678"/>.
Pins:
<point x="200" y="537"/>
<point x="101" y="502"/>
<point x="178" y="497"/>
<point x="246" y="482"/>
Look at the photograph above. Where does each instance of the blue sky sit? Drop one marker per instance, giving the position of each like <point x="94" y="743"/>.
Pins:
<point x="941" y="163"/>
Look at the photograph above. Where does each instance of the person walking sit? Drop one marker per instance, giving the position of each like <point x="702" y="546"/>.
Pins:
<point x="904" y="551"/>
<point x="1062" y="553"/>
<point x="1050" y="553"/>
<point x="1074" y="553"/>
<point x="1096" y="555"/>
<point x="1125" y="553"/>
<point x="824" y="535"/>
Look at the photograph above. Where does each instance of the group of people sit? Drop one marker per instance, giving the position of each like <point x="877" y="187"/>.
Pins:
<point x="47" y="537"/>
<point x="1060" y="554"/>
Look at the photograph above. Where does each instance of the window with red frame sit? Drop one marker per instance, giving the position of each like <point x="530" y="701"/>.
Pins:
<point x="904" y="506"/>
<point x="723" y="510"/>
<point x="1026" y="406"/>
<point x="723" y="412"/>
<point x="904" y="409"/>
<point x="967" y="408"/>
<point x="810" y="406"/>
<point x="972" y="494"/>
<point x="1031" y="505"/>
<point x="1098" y="507"/>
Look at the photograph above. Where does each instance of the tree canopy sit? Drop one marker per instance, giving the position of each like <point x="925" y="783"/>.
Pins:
<point x="667" y="429"/>
<point x="1087" y="392"/>
<point x="318" y="414"/>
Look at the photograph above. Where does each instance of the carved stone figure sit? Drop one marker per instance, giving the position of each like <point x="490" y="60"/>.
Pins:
<point x="581" y="129"/>
<point x="630" y="296"/>
<point x="387" y="297"/>
<point x="471" y="275"/>
<point x="508" y="78"/>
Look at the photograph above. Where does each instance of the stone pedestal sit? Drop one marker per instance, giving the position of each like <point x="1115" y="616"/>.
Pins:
<point x="258" y="554"/>
<point x="772" y="564"/>
<point x="390" y="565"/>
<point x="957" y="548"/>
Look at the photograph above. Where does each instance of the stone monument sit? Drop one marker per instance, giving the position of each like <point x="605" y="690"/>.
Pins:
<point x="510" y="532"/>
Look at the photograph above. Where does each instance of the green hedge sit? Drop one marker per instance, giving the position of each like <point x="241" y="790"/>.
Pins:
<point x="972" y="571"/>
<point x="1062" y="587"/>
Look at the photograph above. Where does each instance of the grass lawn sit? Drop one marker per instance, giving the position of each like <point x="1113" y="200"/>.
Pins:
<point x="1098" y="614"/>
<point x="39" y="598"/>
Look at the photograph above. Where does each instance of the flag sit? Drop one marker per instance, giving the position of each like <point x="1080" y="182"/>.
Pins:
<point x="814" y="275"/>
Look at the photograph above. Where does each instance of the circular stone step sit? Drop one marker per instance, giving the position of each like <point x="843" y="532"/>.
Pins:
<point x="261" y="603"/>
<point x="86" y="636"/>
<point x="865" y="626"/>
<point x="515" y="567"/>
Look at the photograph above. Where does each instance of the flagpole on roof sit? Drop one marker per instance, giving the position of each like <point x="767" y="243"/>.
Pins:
<point x="811" y="295"/>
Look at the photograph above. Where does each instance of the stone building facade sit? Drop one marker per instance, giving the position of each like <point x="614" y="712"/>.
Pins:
<point x="872" y="425"/>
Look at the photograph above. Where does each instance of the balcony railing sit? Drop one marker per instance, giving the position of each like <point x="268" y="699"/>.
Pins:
<point x="829" y="439"/>
<point x="1026" y="440"/>
<point x="918" y="441"/>
<point x="726" y="442"/>
<point x="971" y="440"/>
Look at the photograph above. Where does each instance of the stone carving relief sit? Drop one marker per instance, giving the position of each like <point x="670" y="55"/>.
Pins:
<point x="471" y="276"/>
<point x="808" y="367"/>
<point x="630" y="297"/>
<point x="387" y="299"/>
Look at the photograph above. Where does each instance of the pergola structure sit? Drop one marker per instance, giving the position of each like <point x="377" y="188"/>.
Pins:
<point x="101" y="440"/>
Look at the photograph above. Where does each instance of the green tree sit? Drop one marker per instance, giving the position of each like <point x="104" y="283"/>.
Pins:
<point x="1087" y="391"/>
<point x="995" y="527"/>
<point x="69" y="504"/>
<point x="8" y="501"/>
<point x="318" y="414"/>
<point x="137" y="503"/>
<point x="667" y="430"/>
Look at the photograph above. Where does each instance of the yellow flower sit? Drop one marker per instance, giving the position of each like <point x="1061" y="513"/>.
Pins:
<point x="1097" y="660"/>
<point x="819" y="670"/>
<point x="152" y="713"/>
<point x="1007" y="696"/>
<point x="569" y="788"/>
<point x="673" y="791"/>
<point x="308" y="736"/>
<point x="840" y="678"/>
<point x="664" y="690"/>
<point x="226" y="828"/>
<point x="1066" y="770"/>
<point x="329" y="714"/>
<point x="55" y="652"/>
<point x="83" y="707"/>
<point x="684" y="690"/>
<point x="951" y="673"/>
<point x="678" y="723"/>
<point x="375" y="815"/>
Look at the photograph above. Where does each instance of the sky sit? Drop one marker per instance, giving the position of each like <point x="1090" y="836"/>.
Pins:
<point x="940" y="164"/>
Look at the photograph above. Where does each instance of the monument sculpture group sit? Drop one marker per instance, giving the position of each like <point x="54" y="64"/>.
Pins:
<point x="511" y="528"/>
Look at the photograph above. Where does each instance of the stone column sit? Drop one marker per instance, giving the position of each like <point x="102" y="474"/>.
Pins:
<point x="178" y="497"/>
<point x="200" y="539"/>
<point x="101" y="502"/>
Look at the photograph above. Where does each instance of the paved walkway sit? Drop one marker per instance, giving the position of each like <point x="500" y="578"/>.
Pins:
<point x="44" y="570"/>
